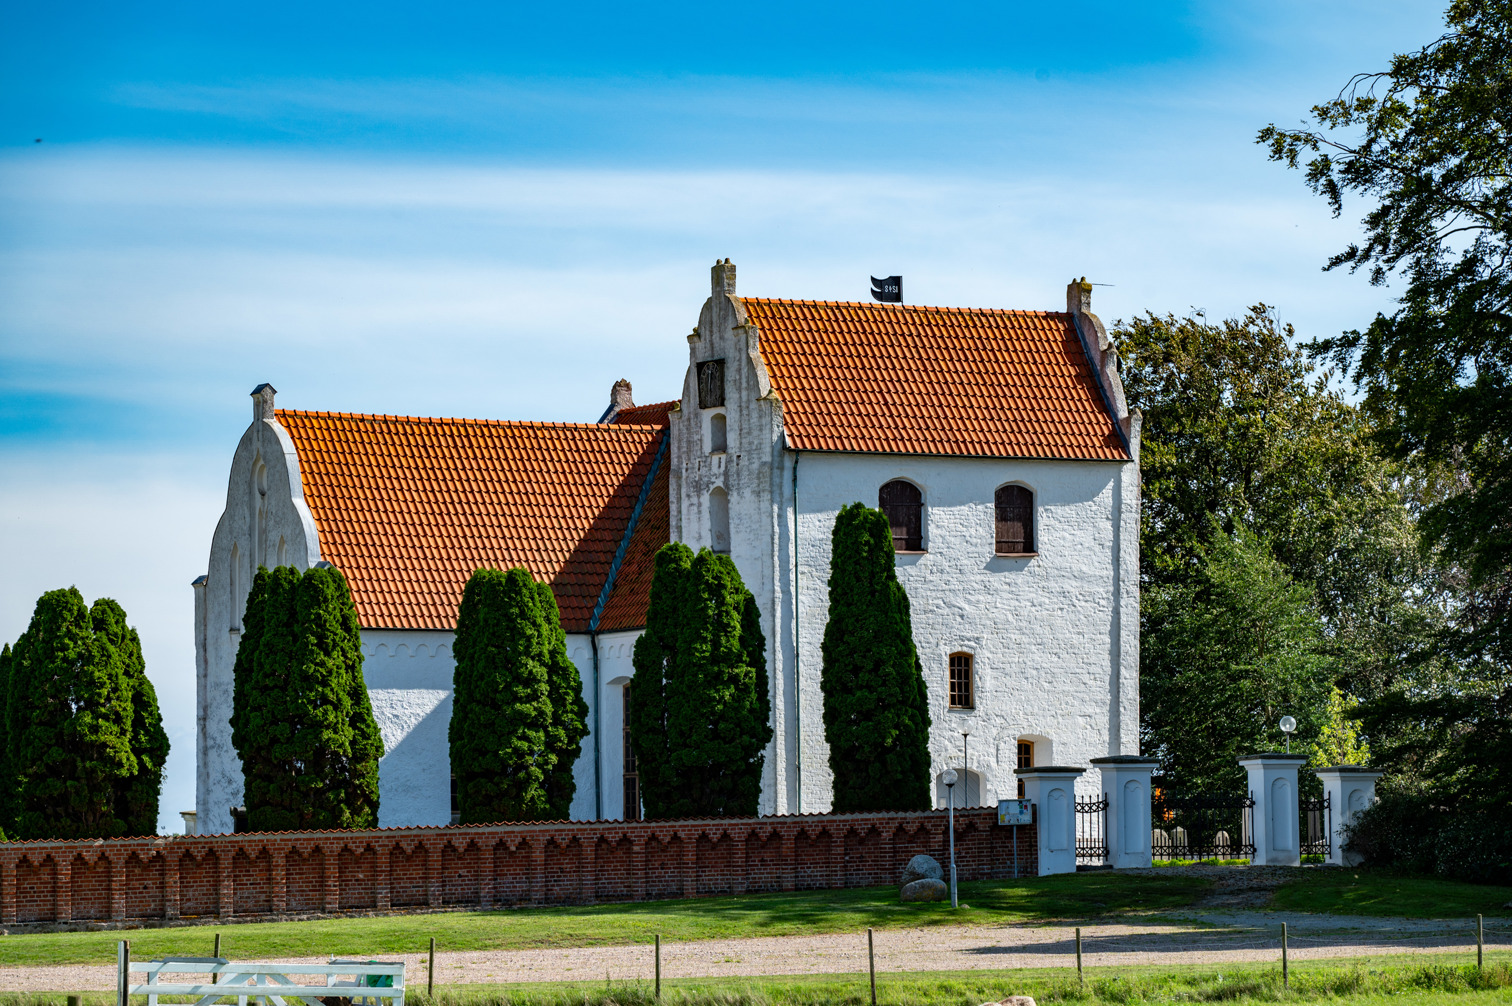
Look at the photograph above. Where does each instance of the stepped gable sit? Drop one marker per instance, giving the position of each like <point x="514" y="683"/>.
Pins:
<point x="407" y="507"/>
<point x="902" y="379"/>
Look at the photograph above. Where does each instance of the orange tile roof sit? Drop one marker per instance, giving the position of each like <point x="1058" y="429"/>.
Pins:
<point x="631" y="593"/>
<point x="408" y="507"/>
<point x="644" y="415"/>
<point x="901" y="379"/>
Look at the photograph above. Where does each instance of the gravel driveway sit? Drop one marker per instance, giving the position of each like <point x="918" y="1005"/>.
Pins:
<point x="1232" y="935"/>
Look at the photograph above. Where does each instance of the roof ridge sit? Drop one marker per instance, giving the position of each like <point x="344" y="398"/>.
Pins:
<point x="460" y="421"/>
<point x="906" y="307"/>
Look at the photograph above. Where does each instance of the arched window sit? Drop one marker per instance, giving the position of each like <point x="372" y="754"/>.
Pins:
<point x="717" y="433"/>
<point x="1015" y="520"/>
<point x="719" y="520"/>
<point x="904" y="506"/>
<point x="962" y="694"/>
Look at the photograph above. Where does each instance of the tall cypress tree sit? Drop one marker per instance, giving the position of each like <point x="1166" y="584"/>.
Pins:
<point x="341" y="738"/>
<point x="69" y="724"/>
<point x="7" y="777"/>
<point x="501" y="700"/>
<point x="261" y="700"/>
<point x="656" y="664"/>
<point x="136" y="794"/>
<point x="569" y="711"/>
<point x="302" y="723"/>
<point x="876" y="710"/>
<point x="705" y="720"/>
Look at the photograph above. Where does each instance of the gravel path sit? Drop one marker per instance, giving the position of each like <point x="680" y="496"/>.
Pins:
<point x="940" y="948"/>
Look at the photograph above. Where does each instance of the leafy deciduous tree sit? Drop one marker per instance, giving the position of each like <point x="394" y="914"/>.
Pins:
<point x="1426" y="141"/>
<point x="1230" y="653"/>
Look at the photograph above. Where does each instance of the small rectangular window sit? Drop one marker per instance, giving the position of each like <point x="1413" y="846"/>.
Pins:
<point x="711" y="385"/>
<point x="960" y="682"/>
<point x="1026" y="754"/>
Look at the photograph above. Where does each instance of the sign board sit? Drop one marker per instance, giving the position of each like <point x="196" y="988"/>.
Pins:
<point x="1015" y="812"/>
<point x="889" y="290"/>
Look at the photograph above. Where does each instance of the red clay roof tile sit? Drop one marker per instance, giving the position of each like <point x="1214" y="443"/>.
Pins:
<point x="408" y="507"/>
<point x="902" y="379"/>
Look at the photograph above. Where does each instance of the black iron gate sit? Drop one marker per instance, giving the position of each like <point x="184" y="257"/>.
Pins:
<point x="1092" y="832"/>
<point x="1205" y="826"/>
<point x="1316" y="819"/>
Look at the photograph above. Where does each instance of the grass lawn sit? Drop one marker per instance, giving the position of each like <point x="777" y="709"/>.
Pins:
<point x="1359" y="891"/>
<point x="1435" y="981"/>
<point x="1068" y="896"/>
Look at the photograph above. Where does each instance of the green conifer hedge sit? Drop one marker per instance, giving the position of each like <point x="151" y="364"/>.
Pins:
<point x="501" y="700"/>
<point x="302" y="723"/>
<point x="137" y="795"/>
<point x="7" y="776"/>
<point x="569" y="711"/>
<point x="876" y="708"/>
<point x="701" y="719"/>
<point x="83" y="740"/>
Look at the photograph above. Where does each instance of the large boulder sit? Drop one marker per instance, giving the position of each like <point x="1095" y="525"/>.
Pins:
<point x="926" y="889"/>
<point x="922" y="868"/>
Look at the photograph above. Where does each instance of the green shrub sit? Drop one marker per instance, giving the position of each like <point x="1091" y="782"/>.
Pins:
<point x="1415" y="833"/>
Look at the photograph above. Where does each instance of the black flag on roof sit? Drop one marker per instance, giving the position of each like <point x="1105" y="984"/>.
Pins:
<point x="889" y="290"/>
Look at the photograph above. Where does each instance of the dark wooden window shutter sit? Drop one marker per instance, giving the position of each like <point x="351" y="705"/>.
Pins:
<point x="904" y="506"/>
<point x="1015" y="520"/>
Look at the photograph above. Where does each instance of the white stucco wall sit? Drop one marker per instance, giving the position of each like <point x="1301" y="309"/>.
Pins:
<point x="1048" y="634"/>
<point x="409" y="679"/>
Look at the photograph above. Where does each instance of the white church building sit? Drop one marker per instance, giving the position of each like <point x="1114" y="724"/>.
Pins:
<point x="998" y="442"/>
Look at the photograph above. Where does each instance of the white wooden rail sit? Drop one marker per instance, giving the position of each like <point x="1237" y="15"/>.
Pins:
<point x="364" y="983"/>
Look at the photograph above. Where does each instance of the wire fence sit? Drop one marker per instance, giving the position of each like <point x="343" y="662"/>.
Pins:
<point x="1106" y="947"/>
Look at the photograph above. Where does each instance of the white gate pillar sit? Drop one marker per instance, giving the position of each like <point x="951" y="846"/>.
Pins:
<point x="1277" y="833"/>
<point x="1052" y="790"/>
<point x="1349" y="789"/>
<point x="1126" y="782"/>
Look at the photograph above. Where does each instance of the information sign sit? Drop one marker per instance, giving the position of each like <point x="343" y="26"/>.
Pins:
<point x="1015" y="812"/>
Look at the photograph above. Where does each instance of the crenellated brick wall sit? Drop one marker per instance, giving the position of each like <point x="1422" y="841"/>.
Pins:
<point x="323" y="872"/>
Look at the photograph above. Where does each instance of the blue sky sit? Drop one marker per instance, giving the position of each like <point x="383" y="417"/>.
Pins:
<point x="497" y="210"/>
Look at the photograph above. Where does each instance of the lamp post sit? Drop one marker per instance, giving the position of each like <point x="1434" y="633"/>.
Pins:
<point x="1288" y="727"/>
<point x="949" y="779"/>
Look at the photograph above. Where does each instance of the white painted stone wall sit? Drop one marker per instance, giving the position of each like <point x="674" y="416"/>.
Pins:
<point x="1053" y="660"/>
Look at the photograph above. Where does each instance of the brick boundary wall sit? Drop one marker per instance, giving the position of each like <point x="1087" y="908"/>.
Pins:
<point x="325" y="872"/>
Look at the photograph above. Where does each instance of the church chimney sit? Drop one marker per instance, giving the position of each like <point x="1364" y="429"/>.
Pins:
<point x="1079" y="296"/>
<point x="722" y="278"/>
<point x="619" y="401"/>
<point x="262" y="401"/>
